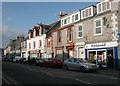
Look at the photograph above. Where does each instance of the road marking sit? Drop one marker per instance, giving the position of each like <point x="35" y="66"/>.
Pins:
<point x="105" y="76"/>
<point x="5" y="79"/>
<point x="82" y="81"/>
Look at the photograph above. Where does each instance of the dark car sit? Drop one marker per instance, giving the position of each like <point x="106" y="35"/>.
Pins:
<point x="32" y="60"/>
<point x="22" y="60"/>
<point x="51" y="62"/>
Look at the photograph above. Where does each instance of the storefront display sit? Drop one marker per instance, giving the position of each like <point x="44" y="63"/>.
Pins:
<point x="102" y="54"/>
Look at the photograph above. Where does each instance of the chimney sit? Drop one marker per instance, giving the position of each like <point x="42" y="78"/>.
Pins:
<point x="61" y="14"/>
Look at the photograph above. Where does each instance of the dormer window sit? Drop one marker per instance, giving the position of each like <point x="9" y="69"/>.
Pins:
<point x="103" y="6"/>
<point x="76" y="17"/>
<point x="88" y="12"/>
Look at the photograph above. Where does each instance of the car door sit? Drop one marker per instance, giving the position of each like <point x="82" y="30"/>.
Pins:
<point x="76" y="65"/>
<point x="69" y="63"/>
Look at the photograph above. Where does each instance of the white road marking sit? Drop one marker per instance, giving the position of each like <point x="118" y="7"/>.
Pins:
<point x="5" y="79"/>
<point x="82" y="81"/>
<point x="106" y="76"/>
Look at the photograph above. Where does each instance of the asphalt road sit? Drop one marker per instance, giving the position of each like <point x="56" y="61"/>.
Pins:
<point x="23" y="74"/>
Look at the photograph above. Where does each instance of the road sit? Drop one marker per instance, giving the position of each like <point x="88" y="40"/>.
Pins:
<point x="24" y="74"/>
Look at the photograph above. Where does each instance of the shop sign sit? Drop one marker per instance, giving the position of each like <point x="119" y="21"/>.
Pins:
<point x="101" y="45"/>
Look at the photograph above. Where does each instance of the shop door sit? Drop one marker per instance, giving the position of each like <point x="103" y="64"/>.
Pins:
<point x="81" y="52"/>
<point x="59" y="54"/>
<point x="70" y="53"/>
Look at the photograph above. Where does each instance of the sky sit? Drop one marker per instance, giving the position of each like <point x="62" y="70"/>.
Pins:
<point x="19" y="17"/>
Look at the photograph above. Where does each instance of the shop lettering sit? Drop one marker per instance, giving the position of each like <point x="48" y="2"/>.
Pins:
<point x="98" y="45"/>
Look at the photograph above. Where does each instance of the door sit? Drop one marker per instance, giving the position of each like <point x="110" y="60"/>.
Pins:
<point x="70" y="53"/>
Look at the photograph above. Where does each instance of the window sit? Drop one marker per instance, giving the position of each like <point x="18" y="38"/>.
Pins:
<point x="25" y="44"/>
<point x="80" y="31"/>
<point x="68" y="19"/>
<point x="70" y="35"/>
<point x="99" y="7"/>
<point x="29" y="45"/>
<point x="34" y="44"/>
<point x="90" y="12"/>
<point x="40" y="43"/>
<point x="73" y="18"/>
<point x="76" y="17"/>
<point x="62" y="22"/>
<point x="98" y="27"/>
<point x="65" y="21"/>
<point x="83" y="14"/>
<point x="87" y="13"/>
<point x="59" y="37"/>
<point x="103" y="6"/>
<point x="108" y="5"/>
<point x="48" y="42"/>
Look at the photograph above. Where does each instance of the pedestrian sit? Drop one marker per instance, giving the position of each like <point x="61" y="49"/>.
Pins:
<point x="28" y="59"/>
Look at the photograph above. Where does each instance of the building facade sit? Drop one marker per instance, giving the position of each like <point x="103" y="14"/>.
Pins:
<point x="36" y="41"/>
<point x="90" y="33"/>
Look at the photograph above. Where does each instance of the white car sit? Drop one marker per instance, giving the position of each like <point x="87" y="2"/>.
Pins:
<point x="17" y="58"/>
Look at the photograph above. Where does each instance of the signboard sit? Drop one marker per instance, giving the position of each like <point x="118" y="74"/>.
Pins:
<point x="101" y="45"/>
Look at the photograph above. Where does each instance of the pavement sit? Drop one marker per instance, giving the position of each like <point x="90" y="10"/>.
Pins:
<point x="24" y="74"/>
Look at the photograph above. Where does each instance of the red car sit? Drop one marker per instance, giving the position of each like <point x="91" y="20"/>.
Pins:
<point x="51" y="62"/>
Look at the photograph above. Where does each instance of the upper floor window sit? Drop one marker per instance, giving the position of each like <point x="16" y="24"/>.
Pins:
<point x="65" y="21"/>
<point x="40" y="43"/>
<point x="62" y="22"/>
<point x="59" y="37"/>
<point x="34" y="44"/>
<point x="70" y="35"/>
<point x="48" y="42"/>
<point x="86" y="12"/>
<point x="76" y="17"/>
<point x="25" y="44"/>
<point x="98" y="27"/>
<point x="73" y="18"/>
<point x="68" y="19"/>
<point x="103" y="6"/>
<point x="80" y="31"/>
<point x="29" y="46"/>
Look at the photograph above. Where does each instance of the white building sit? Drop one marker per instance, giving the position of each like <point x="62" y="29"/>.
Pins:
<point x="36" y="41"/>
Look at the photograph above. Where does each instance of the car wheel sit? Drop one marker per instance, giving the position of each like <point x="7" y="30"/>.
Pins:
<point x="65" y="67"/>
<point x="82" y="69"/>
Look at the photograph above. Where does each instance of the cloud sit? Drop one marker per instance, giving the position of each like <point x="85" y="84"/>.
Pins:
<point x="9" y="33"/>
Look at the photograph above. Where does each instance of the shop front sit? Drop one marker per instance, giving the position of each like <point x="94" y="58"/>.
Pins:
<point x="102" y="54"/>
<point x="35" y="54"/>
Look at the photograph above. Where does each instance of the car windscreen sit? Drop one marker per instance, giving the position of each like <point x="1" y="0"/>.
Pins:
<point x="83" y="61"/>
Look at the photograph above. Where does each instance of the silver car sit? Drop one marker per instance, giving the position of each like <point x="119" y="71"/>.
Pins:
<point x="79" y="64"/>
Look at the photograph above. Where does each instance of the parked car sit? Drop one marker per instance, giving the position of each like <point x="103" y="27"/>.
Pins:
<point x="22" y="60"/>
<point x="16" y="59"/>
<point x="39" y="61"/>
<point x="32" y="60"/>
<point x="51" y="62"/>
<point x="79" y="64"/>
